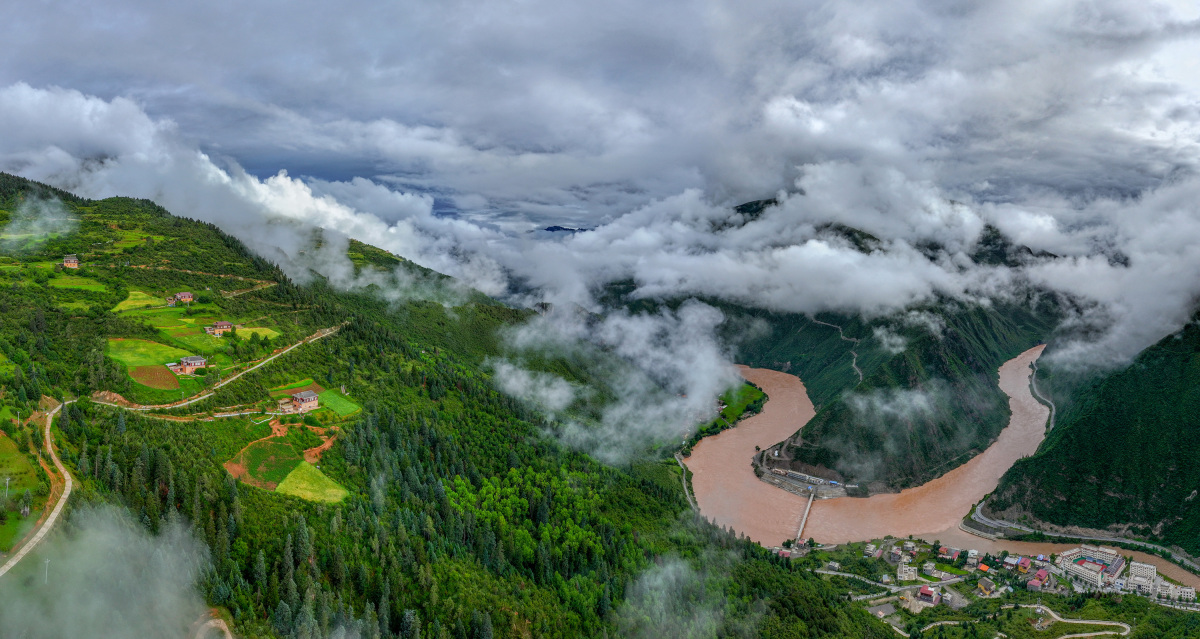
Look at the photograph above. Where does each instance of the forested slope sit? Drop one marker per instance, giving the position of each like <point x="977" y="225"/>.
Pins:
<point x="462" y="517"/>
<point x="929" y="408"/>
<point x="927" y="400"/>
<point x="1125" y="450"/>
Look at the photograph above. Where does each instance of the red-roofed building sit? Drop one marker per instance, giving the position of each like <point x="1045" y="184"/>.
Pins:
<point x="1041" y="575"/>
<point x="305" y="401"/>
<point x="1035" y="585"/>
<point x="929" y="595"/>
<point x="1024" y="564"/>
<point x="219" y="328"/>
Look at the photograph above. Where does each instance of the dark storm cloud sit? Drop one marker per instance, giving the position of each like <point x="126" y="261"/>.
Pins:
<point x="1071" y="125"/>
<point x="572" y="112"/>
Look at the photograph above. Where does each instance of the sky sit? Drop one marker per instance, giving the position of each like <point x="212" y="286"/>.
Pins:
<point x="445" y="132"/>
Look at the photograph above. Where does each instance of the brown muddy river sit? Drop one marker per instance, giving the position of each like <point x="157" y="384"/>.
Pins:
<point x="729" y="494"/>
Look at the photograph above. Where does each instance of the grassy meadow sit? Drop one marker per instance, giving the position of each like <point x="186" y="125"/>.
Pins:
<point x="308" y="482"/>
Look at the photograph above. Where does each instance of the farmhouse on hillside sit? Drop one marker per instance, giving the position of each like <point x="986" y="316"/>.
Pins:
<point x="187" y="365"/>
<point x="304" y="401"/>
<point x="219" y="328"/>
<point x="71" y="261"/>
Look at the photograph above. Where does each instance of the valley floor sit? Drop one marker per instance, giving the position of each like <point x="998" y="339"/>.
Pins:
<point x="730" y="494"/>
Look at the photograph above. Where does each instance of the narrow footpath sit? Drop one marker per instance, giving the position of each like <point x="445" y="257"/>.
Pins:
<point x="853" y="353"/>
<point x="58" y="507"/>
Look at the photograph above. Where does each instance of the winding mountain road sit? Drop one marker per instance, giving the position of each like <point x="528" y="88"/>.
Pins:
<point x="1045" y="400"/>
<point x="58" y="507"/>
<point x="1125" y="628"/>
<point x="324" y="332"/>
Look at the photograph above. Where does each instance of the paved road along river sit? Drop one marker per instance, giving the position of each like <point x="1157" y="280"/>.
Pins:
<point x="728" y="492"/>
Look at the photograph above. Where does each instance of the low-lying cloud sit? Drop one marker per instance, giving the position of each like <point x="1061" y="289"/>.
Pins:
<point x="107" y="577"/>
<point x="673" y="599"/>
<point x="656" y="375"/>
<point x="35" y="220"/>
<point x="1071" y="126"/>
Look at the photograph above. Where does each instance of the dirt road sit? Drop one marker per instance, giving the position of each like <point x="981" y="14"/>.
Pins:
<point x="58" y="507"/>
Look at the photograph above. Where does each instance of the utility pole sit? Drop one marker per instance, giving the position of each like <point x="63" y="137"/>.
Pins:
<point x="6" y="480"/>
<point x="47" y="581"/>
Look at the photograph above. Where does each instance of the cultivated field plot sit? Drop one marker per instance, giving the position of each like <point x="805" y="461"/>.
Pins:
<point x="338" y="403"/>
<point x="308" y="482"/>
<point x="175" y="317"/>
<point x="261" y="331"/>
<point x="25" y="476"/>
<point x="160" y="317"/>
<point x="264" y="464"/>
<point x="295" y="387"/>
<point x="138" y="299"/>
<point x="25" y="241"/>
<point x="76" y="282"/>
<point x="73" y="306"/>
<point x="155" y="376"/>
<point x="232" y="435"/>
<point x="196" y="339"/>
<point x="139" y="352"/>
<point x="132" y="238"/>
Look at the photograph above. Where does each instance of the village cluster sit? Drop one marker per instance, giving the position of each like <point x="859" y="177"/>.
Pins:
<point x="928" y="572"/>
<point x="299" y="402"/>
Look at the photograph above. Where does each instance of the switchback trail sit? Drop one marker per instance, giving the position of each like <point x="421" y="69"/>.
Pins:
<point x="853" y="353"/>
<point x="58" y="507"/>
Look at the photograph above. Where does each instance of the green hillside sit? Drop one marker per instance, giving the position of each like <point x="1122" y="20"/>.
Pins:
<point x="1125" y="450"/>
<point x="460" y="517"/>
<point x="926" y="410"/>
<point x="927" y="401"/>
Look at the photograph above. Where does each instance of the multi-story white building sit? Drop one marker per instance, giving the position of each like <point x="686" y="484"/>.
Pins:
<point x="1139" y="569"/>
<point x="1094" y="566"/>
<point x="906" y="572"/>
<point x="1186" y="593"/>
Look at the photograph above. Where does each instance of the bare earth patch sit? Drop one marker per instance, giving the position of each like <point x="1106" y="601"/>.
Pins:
<point x="157" y="376"/>
<point x="313" y="455"/>
<point x="288" y="392"/>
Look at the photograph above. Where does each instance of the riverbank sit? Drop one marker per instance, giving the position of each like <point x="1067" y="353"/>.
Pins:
<point x="728" y="492"/>
<point x="723" y="480"/>
<point x="942" y="502"/>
